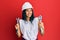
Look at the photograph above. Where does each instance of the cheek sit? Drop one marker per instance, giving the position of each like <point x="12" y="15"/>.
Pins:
<point x="27" y="13"/>
<point x="31" y="13"/>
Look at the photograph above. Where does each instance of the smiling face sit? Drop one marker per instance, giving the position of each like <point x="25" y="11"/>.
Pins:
<point x="29" y="12"/>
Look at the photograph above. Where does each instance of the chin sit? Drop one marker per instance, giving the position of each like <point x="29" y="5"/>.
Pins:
<point x="29" y="16"/>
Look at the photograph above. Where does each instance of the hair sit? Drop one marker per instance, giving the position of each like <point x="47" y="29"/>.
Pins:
<point x="24" y="15"/>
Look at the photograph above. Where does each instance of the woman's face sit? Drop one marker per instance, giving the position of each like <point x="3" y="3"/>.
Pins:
<point x="29" y="12"/>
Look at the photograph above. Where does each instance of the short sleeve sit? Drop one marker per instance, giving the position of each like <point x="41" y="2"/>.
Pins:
<point x="36" y="19"/>
<point x="21" y="27"/>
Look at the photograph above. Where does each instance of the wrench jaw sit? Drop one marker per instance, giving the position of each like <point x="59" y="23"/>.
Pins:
<point x="17" y="19"/>
<point x="40" y="18"/>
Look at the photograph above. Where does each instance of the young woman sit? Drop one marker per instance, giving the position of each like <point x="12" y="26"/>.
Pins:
<point x="29" y="25"/>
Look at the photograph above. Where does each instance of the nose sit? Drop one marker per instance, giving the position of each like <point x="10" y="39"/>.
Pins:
<point x="29" y="12"/>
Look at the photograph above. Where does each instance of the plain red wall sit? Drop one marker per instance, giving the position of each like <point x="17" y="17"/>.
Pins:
<point x="49" y="9"/>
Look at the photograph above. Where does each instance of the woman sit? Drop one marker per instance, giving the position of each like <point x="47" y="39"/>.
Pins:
<point x="28" y="26"/>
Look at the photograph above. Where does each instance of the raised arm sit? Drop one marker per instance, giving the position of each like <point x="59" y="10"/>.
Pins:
<point x="18" y="32"/>
<point x="41" y="27"/>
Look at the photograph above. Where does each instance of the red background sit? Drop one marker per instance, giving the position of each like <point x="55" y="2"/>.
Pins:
<point x="49" y="9"/>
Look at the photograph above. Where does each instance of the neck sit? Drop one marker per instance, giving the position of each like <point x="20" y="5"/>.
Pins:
<point x="27" y="18"/>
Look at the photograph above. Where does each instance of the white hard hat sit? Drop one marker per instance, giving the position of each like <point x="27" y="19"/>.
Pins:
<point x="26" y="5"/>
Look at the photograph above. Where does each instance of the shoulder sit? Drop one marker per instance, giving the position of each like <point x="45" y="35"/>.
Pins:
<point x="21" y="21"/>
<point x="36" y="18"/>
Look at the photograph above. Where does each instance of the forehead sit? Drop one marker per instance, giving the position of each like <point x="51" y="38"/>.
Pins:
<point x="29" y="9"/>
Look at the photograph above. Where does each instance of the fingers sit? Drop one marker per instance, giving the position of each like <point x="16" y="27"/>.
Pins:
<point x="42" y="29"/>
<point x="41" y="24"/>
<point x="16" y="26"/>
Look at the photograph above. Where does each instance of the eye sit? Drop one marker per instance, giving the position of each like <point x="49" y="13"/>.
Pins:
<point x="29" y="10"/>
<point x="26" y="9"/>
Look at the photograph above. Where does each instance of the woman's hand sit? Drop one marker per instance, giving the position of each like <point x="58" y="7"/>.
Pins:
<point x="17" y="26"/>
<point x="18" y="30"/>
<point x="41" y="27"/>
